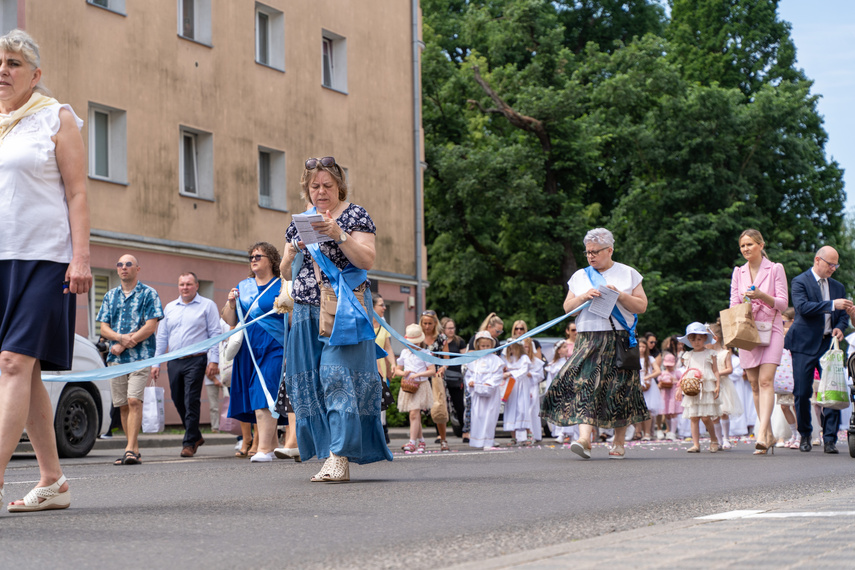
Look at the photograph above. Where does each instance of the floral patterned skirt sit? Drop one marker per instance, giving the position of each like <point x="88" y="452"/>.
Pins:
<point x="591" y="389"/>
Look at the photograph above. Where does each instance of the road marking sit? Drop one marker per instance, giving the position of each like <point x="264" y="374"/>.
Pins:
<point x="397" y="455"/>
<point x="732" y="515"/>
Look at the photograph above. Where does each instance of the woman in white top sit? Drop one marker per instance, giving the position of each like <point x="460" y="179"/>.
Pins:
<point x="44" y="259"/>
<point x="593" y="391"/>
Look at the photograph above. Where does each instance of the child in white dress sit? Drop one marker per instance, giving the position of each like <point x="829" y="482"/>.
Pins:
<point x="412" y="367"/>
<point x="518" y="406"/>
<point x="731" y="403"/>
<point x="648" y="374"/>
<point x="705" y="406"/>
<point x="483" y="380"/>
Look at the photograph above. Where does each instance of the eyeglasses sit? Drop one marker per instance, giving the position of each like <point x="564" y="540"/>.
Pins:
<point x="327" y="162"/>
<point x="127" y="264"/>
<point x="256" y="257"/>
<point x="595" y="252"/>
<point x="831" y="265"/>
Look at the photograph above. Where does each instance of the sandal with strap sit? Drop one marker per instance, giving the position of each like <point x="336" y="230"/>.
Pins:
<point x="53" y="499"/>
<point x="325" y="468"/>
<point x="443" y="446"/>
<point x="339" y="470"/>
<point x="421" y="447"/>
<point x="694" y="449"/>
<point x="617" y="452"/>
<point x="409" y="446"/>
<point x="582" y="448"/>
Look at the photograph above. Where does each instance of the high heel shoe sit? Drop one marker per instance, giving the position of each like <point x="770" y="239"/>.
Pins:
<point x="340" y="470"/>
<point x="325" y="468"/>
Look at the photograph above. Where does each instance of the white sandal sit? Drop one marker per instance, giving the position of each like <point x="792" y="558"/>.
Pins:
<point x="326" y="468"/>
<point x="53" y="499"/>
<point x="339" y="470"/>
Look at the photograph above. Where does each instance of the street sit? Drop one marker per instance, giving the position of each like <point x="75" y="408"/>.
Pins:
<point x="420" y="511"/>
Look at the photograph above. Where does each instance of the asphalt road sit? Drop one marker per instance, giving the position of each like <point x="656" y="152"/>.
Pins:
<point x="420" y="511"/>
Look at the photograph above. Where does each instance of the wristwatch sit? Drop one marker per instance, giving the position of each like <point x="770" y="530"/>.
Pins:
<point x="342" y="238"/>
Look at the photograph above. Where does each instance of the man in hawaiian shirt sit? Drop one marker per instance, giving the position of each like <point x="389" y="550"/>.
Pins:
<point x="128" y="317"/>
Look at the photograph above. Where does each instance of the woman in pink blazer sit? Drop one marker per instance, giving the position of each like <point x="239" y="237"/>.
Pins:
<point x="768" y="299"/>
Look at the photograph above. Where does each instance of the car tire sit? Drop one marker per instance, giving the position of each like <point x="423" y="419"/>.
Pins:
<point x="76" y="422"/>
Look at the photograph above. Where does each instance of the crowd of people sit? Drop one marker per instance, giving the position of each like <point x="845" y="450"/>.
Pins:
<point x="327" y="379"/>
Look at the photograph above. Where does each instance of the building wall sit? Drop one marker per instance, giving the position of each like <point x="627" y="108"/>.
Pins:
<point x="135" y="61"/>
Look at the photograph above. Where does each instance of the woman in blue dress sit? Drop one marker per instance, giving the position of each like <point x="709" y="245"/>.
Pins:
<point x="332" y="382"/>
<point x="252" y="397"/>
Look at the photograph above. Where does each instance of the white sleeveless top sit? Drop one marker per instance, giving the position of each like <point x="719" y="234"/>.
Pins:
<point x="33" y="209"/>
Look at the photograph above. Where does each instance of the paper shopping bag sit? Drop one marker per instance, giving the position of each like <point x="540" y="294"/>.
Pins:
<point x="738" y="327"/>
<point x="153" y="414"/>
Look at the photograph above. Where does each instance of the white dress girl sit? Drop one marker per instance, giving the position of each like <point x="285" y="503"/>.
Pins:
<point x="705" y="404"/>
<point x="518" y="406"/>
<point x="651" y="396"/>
<point x="486" y="398"/>
<point x="422" y="399"/>
<point x="731" y="403"/>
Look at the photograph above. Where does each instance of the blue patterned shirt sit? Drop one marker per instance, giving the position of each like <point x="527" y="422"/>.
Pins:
<point x="126" y="314"/>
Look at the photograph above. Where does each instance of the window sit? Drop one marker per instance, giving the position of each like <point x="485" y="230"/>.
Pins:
<point x="8" y="15"/>
<point x="112" y="5"/>
<point x="108" y="149"/>
<point x="269" y="37"/>
<point x="271" y="179"/>
<point x="334" y="61"/>
<point x="196" y="164"/>
<point x="194" y="20"/>
<point x="100" y="286"/>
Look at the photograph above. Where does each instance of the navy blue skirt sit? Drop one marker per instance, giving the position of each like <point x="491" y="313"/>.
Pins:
<point x="36" y="318"/>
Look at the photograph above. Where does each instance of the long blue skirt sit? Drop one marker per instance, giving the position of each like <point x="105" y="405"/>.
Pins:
<point x="335" y="392"/>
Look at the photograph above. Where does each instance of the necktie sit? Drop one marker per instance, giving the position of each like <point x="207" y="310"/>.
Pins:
<point x="823" y="286"/>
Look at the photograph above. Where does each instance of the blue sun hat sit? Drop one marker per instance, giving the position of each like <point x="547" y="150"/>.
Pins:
<point x="696" y="328"/>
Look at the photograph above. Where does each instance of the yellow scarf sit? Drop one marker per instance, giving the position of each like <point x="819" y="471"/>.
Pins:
<point x="36" y="103"/>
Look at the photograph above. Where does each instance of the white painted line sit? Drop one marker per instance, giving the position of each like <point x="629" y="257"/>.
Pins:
<point x="730" y="515"/>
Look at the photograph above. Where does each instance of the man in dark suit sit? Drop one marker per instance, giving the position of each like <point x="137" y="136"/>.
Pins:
<point x="821" y="312"/>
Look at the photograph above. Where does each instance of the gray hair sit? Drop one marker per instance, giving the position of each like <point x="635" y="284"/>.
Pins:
<point x="599" y="236"/>
<point x="19" y="41"/>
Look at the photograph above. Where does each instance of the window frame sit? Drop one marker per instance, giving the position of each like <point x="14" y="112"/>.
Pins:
<point x="336" y="46"/>
<point x="116" y="144"/>
<point x="115" y="6"/>
<point x="275" y="37"/>
<point x="202" y="164"/>
<point x="277" y="182"/>
<point x="201" y="31"/>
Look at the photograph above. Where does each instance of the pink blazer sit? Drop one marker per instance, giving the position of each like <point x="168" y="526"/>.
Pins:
<point x="772" y="280"/>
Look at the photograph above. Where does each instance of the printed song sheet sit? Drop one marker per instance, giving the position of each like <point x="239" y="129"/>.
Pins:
<point x="602" y="306"/>
<point x="308" y="235"/>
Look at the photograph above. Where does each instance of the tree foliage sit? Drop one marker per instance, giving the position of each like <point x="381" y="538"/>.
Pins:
<point x="545" y="119"/>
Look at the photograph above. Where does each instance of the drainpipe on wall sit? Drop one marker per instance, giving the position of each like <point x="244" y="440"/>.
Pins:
<point x="417" y="157"/>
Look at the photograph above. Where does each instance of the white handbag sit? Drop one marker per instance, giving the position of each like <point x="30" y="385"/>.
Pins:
<point x="233" y="346"/>
<point x="764" y="329"/>
<point x="284" y="303"/>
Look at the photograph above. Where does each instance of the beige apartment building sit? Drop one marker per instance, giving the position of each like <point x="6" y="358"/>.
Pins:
<point x="199" y="115"/>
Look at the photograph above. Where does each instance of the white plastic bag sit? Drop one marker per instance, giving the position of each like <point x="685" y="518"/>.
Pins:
<point x="833" y="392"/>
<point x="153" y="413"/>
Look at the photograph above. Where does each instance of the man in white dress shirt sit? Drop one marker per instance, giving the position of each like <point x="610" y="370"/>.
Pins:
<point x="187" y="320"/>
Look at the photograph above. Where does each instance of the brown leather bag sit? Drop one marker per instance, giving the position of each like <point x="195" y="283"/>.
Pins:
<point x="329" y="303"/>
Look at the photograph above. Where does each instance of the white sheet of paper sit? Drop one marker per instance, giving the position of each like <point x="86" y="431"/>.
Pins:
<point x="602" y="306"/>
<point x="303" y="223"/>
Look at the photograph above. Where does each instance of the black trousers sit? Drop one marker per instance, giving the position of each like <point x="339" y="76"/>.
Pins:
<point x="803" y="367"/>
<point x="186" y="377"/>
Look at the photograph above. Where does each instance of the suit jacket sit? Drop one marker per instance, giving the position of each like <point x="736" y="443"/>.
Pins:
<point x="770" y="279"/>
<point x="805" y="335"/>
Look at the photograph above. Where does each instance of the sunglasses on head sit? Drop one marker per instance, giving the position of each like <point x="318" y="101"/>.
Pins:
<point x="326" y="162"/>
<point x="127" y="264"/>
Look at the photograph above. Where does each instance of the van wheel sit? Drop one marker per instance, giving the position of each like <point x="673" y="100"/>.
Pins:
<point x="75" y="423"/>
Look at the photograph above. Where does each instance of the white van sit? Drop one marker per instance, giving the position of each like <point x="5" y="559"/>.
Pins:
<point x="81" y="410"/>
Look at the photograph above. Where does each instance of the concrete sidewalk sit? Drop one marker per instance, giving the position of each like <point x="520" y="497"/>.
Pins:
<point x="812" y="532"/>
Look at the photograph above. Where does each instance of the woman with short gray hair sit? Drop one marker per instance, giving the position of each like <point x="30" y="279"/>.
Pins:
<point x="593" y="391"/>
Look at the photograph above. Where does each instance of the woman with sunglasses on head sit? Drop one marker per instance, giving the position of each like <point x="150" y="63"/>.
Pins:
<point x="332" y="381"/>
<point x="251" y="385"/>
<point x="592" y="391"/>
